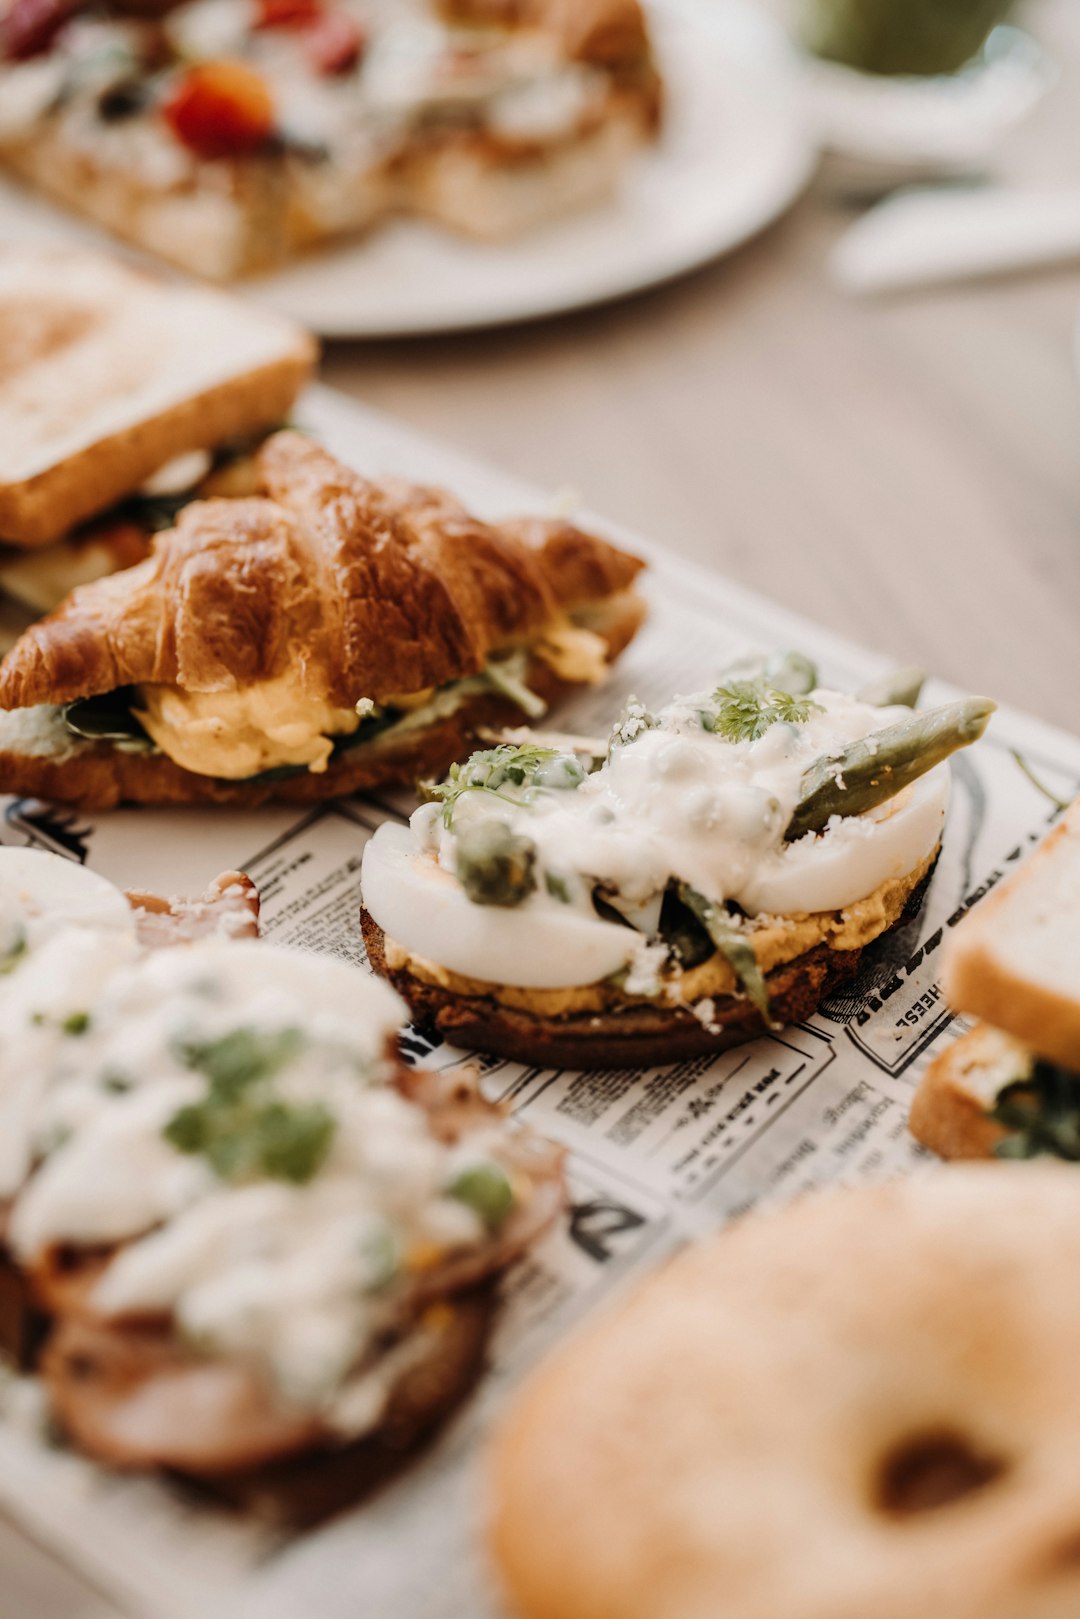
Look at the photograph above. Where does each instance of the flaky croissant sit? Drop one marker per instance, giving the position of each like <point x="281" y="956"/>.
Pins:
<point x="350" y="589"/>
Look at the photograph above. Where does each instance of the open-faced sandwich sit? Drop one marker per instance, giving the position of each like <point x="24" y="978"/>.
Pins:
<point x="227" y="135"/>
<point x="326" y="635"/>
<point x="713" y="875"/>
<point x="120" y="397"/>
<point x="264" y="1250"/>
<point x="63" y="931"/>
<point x="1010" y="1086"/>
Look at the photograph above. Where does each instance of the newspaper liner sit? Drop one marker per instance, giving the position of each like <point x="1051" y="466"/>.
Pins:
<point x="656" y="1155"/>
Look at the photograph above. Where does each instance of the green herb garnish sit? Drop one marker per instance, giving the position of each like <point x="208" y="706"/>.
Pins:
<point x="494" y="864"/>
<point x="15" y="952"/>
<point x="1041" y="1115"/>
<point x="76" y="1023"/>
<point x="743" y="710"/>
<point x="485" y="1188"/>
<point x="239" y="1058"/>
<point x="509" y="771"/>
<point x="241" y="1130"/>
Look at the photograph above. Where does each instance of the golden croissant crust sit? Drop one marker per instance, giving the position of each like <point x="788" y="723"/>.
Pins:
<point x="356" y="588"/>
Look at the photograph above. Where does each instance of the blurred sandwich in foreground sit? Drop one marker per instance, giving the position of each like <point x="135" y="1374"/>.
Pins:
<point x="120" y="397"/>
<point x="1010" y="1087"/>
<point x="324" y="636"/>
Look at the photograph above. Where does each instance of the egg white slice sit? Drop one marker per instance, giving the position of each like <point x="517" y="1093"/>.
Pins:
<point x="854" y="856"/>
<point x="541" y="944"/>
<point x="49" y="892"/>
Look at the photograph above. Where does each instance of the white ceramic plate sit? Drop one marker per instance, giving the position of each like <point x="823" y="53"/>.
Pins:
<point x="735" y="154"/>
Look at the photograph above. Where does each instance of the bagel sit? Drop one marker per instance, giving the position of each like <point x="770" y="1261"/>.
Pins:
<point x="862" y="1406"/>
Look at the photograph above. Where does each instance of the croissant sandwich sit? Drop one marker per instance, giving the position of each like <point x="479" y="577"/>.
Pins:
<point x="263" y="1252"/>
<point x="327" y="635"/>
<point x="712" y="875"/>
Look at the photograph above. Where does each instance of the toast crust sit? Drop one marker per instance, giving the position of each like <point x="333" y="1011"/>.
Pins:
<point x="979" y="981"/>
<point x="117" y="453"/>
<point x="352" y="589"/>
<point x="638" y="1035"/>
<point x="97" y="776"/>
<point x="950" y="1111"/>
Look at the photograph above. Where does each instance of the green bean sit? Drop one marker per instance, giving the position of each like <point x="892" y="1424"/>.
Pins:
<point x="902" y="687"/>
<point x="875" y="769"/>
<point x="732" y="943"/>
<point x="495" y="865"/>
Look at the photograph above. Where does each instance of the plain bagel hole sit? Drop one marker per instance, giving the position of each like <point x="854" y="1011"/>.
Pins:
<point x="932" y="1470"/>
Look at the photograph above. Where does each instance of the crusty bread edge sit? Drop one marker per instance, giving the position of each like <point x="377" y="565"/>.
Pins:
<point x="44" y="507"/>
<point x="101" y="777"/>
<point x="638" y="1036"/>
<point x="978" y="982"/>
<point x="946" y="1115"/>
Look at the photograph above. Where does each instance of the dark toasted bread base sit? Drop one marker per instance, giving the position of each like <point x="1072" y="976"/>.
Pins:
<point x="302" y="1491"/>
<point x="100" y="777"/>
<point x="632" y="1037"/>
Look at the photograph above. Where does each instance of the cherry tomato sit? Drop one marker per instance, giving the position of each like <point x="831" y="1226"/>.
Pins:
<point x="335" y="43"/>
<point x="220" y="109"/>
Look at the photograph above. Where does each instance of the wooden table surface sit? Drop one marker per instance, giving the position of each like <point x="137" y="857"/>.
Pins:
<point x="905" y="471"/>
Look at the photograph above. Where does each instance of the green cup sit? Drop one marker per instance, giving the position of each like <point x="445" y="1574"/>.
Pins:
<point x="901" y="36"/>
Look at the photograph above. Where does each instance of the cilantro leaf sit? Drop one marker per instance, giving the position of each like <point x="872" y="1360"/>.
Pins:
<point x="745" y="709"/>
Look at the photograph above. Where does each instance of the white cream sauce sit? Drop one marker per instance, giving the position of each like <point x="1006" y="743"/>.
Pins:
<point x="675" y="802"/>
<point x="301" y="1276"/>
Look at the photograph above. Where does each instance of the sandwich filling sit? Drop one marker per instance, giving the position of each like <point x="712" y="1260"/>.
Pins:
<point x="280" y="727"/>
<point x="676" y="866"/>
<point x="223" y="1131"/>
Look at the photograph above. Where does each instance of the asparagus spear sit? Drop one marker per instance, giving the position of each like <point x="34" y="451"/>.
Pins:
<point x="900" y="686"/>
<point x="495" y="865"/>
<point x="733" y="945"/>
<point x="874" y="770"/>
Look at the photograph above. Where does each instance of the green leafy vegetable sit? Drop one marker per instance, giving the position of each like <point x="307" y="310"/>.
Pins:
<point x="743" y="710"/>
<point x="732" y="943"/>
<point x="486" y="1188"/>
<point x="107" y="718"/>
<point x="15" y="952"/>
<point x="1041" y="1114"/>
<point x="509" y="771"/>
<point x="508" y="683"/>
<point x="240" y="1129"/>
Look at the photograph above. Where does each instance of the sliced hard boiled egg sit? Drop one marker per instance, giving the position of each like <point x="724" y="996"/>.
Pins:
<point x="854" y="856"/>
<point x="542" y="944"/>
<point x="47" y="892"/>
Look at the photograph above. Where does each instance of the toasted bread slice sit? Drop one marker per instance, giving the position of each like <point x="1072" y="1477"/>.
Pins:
<point x="108" y="374"/>
<point x="639" y="1032"/>
<point x="1014" y="960"/>
<point x="952" y="1107"/>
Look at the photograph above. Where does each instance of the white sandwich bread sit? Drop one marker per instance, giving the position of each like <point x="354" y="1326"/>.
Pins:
<point x="120" y="395"/>
<point x="1011" y="1084"/>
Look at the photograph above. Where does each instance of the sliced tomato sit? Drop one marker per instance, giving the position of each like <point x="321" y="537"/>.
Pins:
<point x="220" y="109"/>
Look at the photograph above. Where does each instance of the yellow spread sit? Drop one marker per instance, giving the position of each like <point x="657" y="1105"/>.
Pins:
<point x="240" y="733"/>
<point x="577" y="656"/>
<point x="775" y="941"/>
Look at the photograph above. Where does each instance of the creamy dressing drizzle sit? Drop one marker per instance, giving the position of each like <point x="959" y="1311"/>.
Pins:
<point x="674" y="801"/>
<point x="97" y="1062"/>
